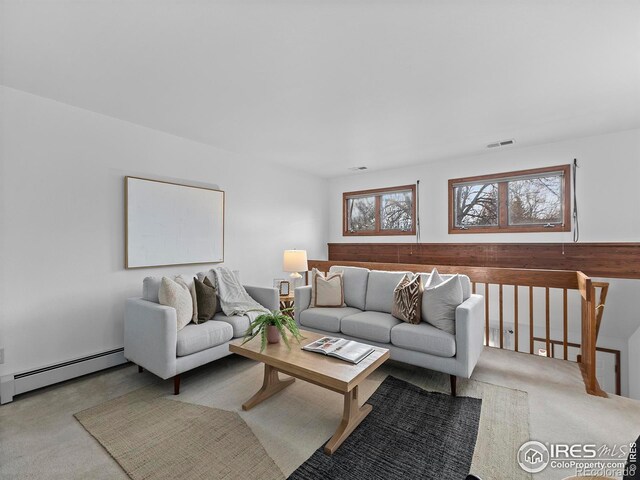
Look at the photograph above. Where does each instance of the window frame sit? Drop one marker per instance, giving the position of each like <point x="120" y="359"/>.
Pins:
<point x="377" y="193"/>
<point x="502" y="180"/>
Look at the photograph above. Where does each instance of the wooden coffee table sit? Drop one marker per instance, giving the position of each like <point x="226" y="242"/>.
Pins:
<point x="327" y="372"/>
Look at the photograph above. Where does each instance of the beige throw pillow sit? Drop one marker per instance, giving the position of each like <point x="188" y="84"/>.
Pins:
<point x="407" y="299"/>
<point x="194" y="297"/>
<point x="176" y="294"/>
<point x="327" y="291"/>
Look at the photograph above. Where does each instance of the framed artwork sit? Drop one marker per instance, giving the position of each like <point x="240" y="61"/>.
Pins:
<point x="172" y="224"/>
<point x="284" y="288"/>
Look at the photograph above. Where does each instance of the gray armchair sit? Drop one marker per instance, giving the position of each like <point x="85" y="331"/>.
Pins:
<point x="153" y="342"/>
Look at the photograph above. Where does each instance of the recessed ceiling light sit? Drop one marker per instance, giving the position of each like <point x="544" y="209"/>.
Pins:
<point x="501" y="143"/>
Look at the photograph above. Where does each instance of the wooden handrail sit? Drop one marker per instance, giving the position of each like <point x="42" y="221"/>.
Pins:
<point x="591" y="314"/>
<point x="493" y="275"/>
<point x="589" y="335"/>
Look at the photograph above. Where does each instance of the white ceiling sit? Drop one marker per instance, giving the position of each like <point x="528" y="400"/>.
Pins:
<point x="324" y="85"/>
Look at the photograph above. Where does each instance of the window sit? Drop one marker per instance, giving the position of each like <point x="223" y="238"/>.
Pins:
<point x="383" y="211"/>
<point x="526" y="201"/>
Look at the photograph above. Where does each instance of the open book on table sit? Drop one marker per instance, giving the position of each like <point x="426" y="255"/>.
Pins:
<point x="346" y="350"/>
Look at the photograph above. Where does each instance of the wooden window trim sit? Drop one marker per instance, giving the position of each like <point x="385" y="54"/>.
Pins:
<point x="378" y="231"/>
<point x="503" y="226"/>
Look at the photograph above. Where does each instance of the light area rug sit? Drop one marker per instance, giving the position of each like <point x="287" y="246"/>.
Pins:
<point x="295" y="422"/>
<point x="155" y="438"/>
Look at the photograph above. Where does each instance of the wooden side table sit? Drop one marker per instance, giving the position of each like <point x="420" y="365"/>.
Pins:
<point x="286" y="301"/>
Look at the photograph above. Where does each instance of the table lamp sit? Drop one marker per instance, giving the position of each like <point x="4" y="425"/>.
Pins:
<point x="294" y="262"/>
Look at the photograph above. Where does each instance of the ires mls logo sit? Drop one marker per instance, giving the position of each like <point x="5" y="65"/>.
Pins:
<point x="533" y="457"/>
<point x="587" y="451"/>
<point x="584" y="459"/>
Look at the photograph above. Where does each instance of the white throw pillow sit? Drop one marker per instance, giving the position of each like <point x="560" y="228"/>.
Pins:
<point x="440" y="300"/>
<point x="327" y="291"/>
<point x="434" y="278"/>
<point x="175" y="293"/>
<point x="192" y="290"/>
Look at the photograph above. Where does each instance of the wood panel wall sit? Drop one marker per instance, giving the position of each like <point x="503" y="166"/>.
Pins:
<point x="609" y="260"/>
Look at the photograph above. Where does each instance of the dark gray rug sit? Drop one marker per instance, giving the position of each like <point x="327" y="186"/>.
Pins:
<point x="411" y="433"/>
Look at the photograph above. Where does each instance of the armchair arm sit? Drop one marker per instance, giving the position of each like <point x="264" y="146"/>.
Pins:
<point x="150" y="336"/>
<point x="302" y="300"/>
<point x="470" y="332"/>
<point x="268" y="297"/>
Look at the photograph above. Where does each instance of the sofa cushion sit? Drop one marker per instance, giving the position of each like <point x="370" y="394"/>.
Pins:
<point x="374" y="326"/>
<point x="195" y="338"/>
<point x="355" y="285"/>
<point x="380" y="287"/>
<point x="327" y="319"/>
<point x="150" y="289"/>
<point x="424" y="338"/>
<point x="239" y="323"/>
<point x="465" y="282"/>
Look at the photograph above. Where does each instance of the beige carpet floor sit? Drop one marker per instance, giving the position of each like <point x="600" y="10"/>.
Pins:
<point x="40" y="438"/>
<point x="138" y="431"/>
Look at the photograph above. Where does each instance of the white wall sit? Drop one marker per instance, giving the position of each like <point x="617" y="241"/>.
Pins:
<point x="63" y="281"/>
<point x="634" y="360"/>
<point x="608" y="175"/>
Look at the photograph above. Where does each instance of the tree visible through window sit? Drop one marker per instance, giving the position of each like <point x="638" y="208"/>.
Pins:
<point x="477" y="204"/>
<point x="535" y="201"/>
<point x="362" y="213"/>
<point x="525" y="201"/>
<point x="384" y="211"/>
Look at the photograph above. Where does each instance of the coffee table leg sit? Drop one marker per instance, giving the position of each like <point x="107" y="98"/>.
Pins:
<point x="351" y="418"/>
<point x="270" y="386"/>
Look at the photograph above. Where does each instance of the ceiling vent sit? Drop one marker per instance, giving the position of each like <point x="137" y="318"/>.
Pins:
<point x="357" y="169"/>
<point x="502" y="143"/>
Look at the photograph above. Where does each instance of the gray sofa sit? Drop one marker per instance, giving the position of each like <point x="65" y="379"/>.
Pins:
<point x="153" y="342"/>
<point x="368" y="295"/>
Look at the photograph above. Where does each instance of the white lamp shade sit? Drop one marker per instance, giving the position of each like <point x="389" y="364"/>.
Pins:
<point x="295" y="261"/>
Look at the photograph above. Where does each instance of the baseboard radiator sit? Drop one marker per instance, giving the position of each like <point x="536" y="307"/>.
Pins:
<point x="12" y="385"/>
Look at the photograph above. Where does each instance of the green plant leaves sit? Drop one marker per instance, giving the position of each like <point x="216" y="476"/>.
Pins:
<point x="278" y="319"/>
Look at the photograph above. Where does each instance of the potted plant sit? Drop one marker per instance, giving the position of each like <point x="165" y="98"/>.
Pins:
<point x="271" y="326"/>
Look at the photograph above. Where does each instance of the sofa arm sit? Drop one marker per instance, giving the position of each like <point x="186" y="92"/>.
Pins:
<point x="470" y="332"/>
<point x="268" y="297"/>
<point x="150" y="336"/>
<point x="302" y="300"/>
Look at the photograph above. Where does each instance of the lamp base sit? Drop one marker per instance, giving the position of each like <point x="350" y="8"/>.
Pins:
<point x="295" y="275"/>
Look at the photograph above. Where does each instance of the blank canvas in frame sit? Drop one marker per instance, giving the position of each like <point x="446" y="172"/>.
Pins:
<point x="172" y="224"/>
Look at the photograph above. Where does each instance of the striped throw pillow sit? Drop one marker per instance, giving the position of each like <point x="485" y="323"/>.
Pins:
<point x="407" y="299"/>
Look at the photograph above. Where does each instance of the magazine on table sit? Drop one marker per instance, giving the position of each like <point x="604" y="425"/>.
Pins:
<point x="346" y="350"/>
